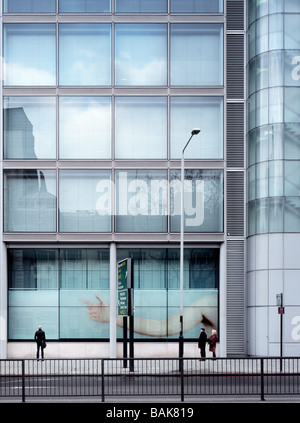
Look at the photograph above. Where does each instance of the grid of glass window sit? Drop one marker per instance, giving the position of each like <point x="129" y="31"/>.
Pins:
<point x="120" y="6"/>
<point x="104" y="55"/>
<point x="140" y="54"/>
<point x="86" y="126"/>
<point x="85" y="200"/>
<point x="274" y="117"/>
<point x="59" y="286"/>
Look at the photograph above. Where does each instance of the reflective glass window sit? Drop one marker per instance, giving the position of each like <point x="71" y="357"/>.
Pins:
<point x="292" y="141"/>
<point x="84" y="283"/>
<point x="203" y="200"/>
<point x="84" y="268"/>
<point x="29" y="6"/>
<point x="251" y="218"/>
<point x="292" y="33"/>
<point x="275" y="31"/>
<point x="84" y="6"/>
<point x="262" y="179"/>
<point x="262" y="144"/>
<point x="292" y="214"/>
<point x="261" y="7"/>
<point x="252" y="40"/>
<point x="29" y="127"/>
<point x="141" y="6"/>
<point x="84" y="54"/>
<point x="276" y="105"/>
<point x="251" y="111"/>
<point x="276" y="6"/>
<point x="262" y="105"/>
<point x="261" y="214"/>
<point x="30" y="200"/>
<point x="141" y="127"/>
<point x="252" y="73"/>
<point x="196" y="54"/>
<point x="85" y="201"/>
<point x="262" y="71"/>
<point x="196" y="6"/>
<point x="262" y="35"/>
<point x="292" y="104"/>
<point x="141" y="201"/>
<point x="292" y="178"/>
<point x="276" y="215"/>
<point x="276" y="141"/>
<point x="29" y="54"/>
<point x="291" y="6"/>
<point x="275" y="69"/>
<point x="31" y="268"/>
<point x="206" y="113"/>
<point x="141" y="54"/>
<point x="292" y="67"/>
<point x="276" y="178"/>
<point x="251" y="147"/>
<point x="28" y="307"/>
<point x="84" y="127"/>
<point x="251" y="182"/>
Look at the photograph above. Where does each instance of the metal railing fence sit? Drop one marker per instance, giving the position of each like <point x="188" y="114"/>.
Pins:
<point x="145" y="377"/>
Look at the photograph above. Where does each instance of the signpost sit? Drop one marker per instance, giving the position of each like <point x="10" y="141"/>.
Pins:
<point x="125" y="306"/>
<point x="122" y="288"/>
<point x="279" y="302"/>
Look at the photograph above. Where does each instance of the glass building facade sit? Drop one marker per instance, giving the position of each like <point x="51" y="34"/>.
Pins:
<point x="96" y="108"/>
<point x="98" y="101"/>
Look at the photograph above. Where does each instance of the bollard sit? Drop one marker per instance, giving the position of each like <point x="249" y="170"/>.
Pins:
<point x="262" y="392"/>
<point x="23" y="381"/>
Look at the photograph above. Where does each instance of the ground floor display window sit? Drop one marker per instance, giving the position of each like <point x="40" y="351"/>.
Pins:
<point x="67" y="291"/>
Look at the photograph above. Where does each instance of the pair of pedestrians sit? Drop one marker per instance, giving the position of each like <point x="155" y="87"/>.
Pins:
<point x="212" y="341"/>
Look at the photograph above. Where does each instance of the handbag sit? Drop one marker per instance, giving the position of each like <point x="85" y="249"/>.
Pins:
<point x="44" y="345"/>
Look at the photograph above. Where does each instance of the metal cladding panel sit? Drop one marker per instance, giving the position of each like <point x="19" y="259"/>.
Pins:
<point x="235" y="47"/>
<point x="235" y="203"/>
<point x="235" y="14"/>
<point x="235" y="298"/>
<point x="235" y="135"/>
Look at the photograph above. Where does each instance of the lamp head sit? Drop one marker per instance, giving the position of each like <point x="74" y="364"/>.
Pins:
<point x="195" y="131"/>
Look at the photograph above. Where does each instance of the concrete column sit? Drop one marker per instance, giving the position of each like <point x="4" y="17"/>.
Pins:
<point x="3" y="303"/>
<point x="222" y="301"/>
<point x="113" y="301"/>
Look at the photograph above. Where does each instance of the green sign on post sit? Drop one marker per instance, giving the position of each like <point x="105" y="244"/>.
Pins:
<point x="124" y="284"/>
<point x="125" y="306"/>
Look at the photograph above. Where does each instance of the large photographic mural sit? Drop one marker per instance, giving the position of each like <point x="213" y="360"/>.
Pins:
<point x="67" y="291"/>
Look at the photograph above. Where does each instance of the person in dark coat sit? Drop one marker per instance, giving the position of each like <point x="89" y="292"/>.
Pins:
<point x="40" y="339"/>
<point x="212" y="340"/>
<point x="202" y="343"/>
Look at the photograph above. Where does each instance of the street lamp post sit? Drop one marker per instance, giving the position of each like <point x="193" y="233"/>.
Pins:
<point x="195" y="131"/>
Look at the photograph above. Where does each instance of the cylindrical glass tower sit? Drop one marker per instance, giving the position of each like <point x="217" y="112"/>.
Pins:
<point x="273" y="139"/>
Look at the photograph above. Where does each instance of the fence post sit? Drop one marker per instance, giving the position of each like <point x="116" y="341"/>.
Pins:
<point x="102" y="379"/>
<point x="181" y="378"/>
<point x="262" y="388"/>
<point x="23" y="380"/>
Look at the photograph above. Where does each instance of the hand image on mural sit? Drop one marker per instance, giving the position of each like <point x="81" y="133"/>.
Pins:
<point x="98" y="311"/>
<point x="201" y="311"/>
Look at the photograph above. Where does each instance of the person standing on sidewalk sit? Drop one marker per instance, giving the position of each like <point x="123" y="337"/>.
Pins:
<point x="202" y="343"/>
<point x="212" y="340"/>
<point x="40" y="339"/>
